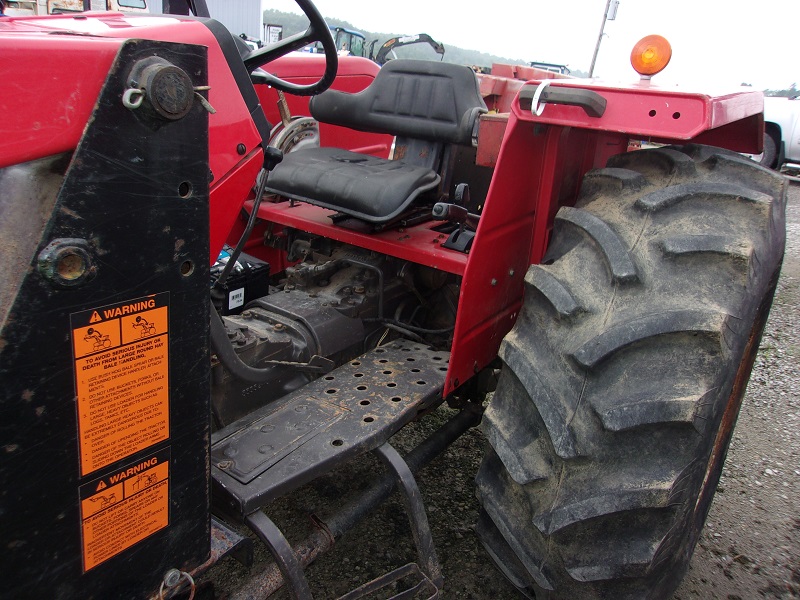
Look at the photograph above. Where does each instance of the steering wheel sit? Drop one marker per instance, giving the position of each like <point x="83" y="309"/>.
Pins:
<point x="317" y="31"/>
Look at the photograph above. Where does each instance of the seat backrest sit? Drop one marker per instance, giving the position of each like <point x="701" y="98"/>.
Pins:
<point x="416" y="99"/>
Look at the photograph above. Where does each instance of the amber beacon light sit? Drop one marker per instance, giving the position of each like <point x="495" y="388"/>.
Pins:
<point x="651" y="55"/>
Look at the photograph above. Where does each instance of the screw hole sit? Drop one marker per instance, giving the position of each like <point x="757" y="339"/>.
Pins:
<point x="652" y="113"/>
<point x="185" y="189"/>
<point x="368" y="419"/>
<point x="396" y="399"/>
<point x="337" y="443"/>
<point x="355" y="363"/>
<point x="420" y="382"/>
<point x="187" y="268"/>
<point x="330" y="391"/>
<point x="358" y="374"/>
<point x="415" y="370"/>
<point x="676" y="115"/>
<point x="330" y="378"/>
<point x="361" y="388"/>
<point x="391" y="384"/>
<point x="364" y="403"/>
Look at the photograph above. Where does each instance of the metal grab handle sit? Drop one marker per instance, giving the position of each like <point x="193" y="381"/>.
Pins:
<point x="590" y="101"/>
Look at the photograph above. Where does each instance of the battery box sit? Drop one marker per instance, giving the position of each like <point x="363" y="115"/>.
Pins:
<point x="248" y="280"/>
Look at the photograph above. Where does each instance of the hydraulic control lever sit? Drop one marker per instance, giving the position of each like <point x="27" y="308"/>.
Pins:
<point x="460" y="239"/>
<point x="457" y="213"/>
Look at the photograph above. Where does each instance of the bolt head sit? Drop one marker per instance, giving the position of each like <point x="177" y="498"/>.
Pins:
<point x="172" y="578"/>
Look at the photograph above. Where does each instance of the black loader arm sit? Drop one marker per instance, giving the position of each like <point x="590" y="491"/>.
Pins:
<point x="405" y="40"/>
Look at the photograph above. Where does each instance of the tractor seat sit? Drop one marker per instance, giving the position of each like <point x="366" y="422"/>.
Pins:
<point x="426" y="105"/>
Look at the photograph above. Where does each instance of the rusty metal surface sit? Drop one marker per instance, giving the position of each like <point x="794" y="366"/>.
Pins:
<point x="288" y="562"/>
<point x="270" y="580"/>
<point x="415" y="510"/>
<point x="352" y="410"/>
<point x="224" y="542"/>
<point x="422" y="587"/>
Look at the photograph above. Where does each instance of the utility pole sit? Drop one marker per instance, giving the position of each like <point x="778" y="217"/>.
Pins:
<point x="609" y="15"/>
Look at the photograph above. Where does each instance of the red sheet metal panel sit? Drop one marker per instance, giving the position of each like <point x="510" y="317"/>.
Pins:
<point x="75" y="61"/>
<point x="419" y="244"/>
<point x="36" y="125"/>
<point x="648" y="111"/>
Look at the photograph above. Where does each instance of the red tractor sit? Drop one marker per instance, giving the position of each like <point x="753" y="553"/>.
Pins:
<point x="303" y="306"/>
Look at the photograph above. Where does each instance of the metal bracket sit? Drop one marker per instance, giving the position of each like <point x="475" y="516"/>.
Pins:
<point x="282" y="552"/>
<point x="420" y="529"/>
<point x="317" y="364"/>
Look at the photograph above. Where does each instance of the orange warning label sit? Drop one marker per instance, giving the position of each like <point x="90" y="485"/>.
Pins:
<point x="121" y="379"/>
<point x="124" y="508"/>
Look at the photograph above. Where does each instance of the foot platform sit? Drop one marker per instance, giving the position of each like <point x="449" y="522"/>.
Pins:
<point x="352" y="410"/>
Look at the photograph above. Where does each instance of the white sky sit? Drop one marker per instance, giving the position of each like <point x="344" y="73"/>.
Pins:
<point x="716" y="42"/>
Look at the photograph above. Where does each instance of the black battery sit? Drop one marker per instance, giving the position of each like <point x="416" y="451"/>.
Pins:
<point x="248" y="280"/>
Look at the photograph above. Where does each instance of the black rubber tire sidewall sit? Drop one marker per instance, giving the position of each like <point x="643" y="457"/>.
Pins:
<point x="634" y="342"/>
<point x="769" y="156"/>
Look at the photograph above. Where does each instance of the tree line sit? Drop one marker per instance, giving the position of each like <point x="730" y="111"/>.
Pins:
<point x="293" y="23"/>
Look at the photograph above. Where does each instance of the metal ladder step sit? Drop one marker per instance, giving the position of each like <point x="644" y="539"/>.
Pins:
<point x="414" y="584"/>
<point x="418" y="581"/>
<point x="350" y="411"/>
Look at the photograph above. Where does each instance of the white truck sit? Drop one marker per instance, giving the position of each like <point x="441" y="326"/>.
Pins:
<point x="781" y="133"/>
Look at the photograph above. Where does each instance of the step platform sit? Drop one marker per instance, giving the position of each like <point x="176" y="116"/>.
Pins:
<point x="410" y="579"/>
<point x="352" y="410"/>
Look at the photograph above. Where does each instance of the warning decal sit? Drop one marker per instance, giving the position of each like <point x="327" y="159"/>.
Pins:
<point x="121" y="378"/>
<point x="124" y="508"/>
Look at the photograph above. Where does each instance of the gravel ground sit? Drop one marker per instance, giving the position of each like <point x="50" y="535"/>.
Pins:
<point x="750" y="547"/>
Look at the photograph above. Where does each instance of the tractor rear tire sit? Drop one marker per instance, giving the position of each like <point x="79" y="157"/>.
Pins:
<point x="769" y="157"/>
<point x="624" y="374"/>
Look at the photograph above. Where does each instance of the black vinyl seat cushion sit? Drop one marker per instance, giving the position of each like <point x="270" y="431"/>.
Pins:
<point x="411" y="99"/>
<point x="418" y="99"/>
<point x="368" y="188"/>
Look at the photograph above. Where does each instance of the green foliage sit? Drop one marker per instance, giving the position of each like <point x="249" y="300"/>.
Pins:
<point x="791" y="92"/>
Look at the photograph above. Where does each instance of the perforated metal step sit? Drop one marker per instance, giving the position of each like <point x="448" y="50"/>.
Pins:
<point x="351" y="410"/>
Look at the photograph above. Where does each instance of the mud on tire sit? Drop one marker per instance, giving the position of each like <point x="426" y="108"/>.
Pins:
<point x="624" y="373"/>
